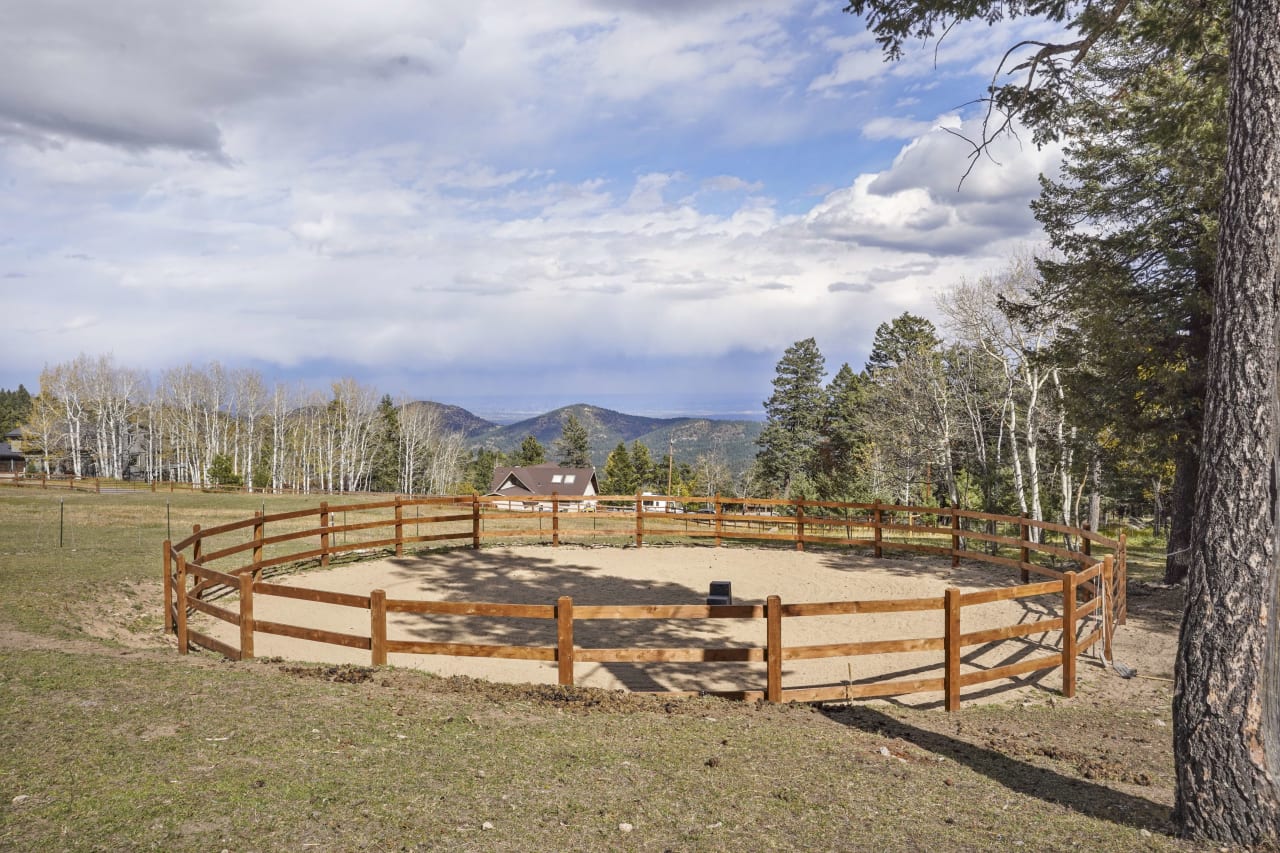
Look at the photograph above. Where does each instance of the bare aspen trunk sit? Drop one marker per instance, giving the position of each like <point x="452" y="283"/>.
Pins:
<point x="1019" y="485"/>
<point x="1227" y="693"/>
<point x="1095" y="490"/>
<point x="1066" y="444"/>
<point x="1031" y="443"/>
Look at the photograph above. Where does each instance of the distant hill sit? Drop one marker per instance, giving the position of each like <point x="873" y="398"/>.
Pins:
<point x="457" y="419"/>
<point x="734" y="441"/>
<point x="687" y="437"/>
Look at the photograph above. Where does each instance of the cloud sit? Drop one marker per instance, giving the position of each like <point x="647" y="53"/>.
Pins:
<point x="882" y="275"/>
<point x="858" y="60"/>
<point x="406" y="193"/>
<point x="141" y="75"/>
<point x="920" y="203"/>
<point x="730" y="183"/>
<point x="886" y="127"/>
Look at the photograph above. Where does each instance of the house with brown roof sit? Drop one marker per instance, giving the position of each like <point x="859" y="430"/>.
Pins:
<point x="11" y="461"/>
<point x="571" y="484"/>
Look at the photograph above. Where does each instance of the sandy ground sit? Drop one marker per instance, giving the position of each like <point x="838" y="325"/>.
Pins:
<point x="671" y="575"/>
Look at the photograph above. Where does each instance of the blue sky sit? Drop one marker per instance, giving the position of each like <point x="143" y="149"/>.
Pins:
<point x="639" y="204"/>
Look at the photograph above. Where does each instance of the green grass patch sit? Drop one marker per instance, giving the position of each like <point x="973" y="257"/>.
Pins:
<point x="112" y="753"/>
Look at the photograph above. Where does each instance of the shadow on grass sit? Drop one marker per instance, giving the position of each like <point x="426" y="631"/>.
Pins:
<point x="1086" y="797"/>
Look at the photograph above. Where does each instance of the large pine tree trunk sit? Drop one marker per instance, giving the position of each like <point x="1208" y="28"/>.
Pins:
<point x="1227" y="699"/>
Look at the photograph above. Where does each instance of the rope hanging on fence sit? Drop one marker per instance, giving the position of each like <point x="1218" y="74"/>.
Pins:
<point x="1122" y="670"/>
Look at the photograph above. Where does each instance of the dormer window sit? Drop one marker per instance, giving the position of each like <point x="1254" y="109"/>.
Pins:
<point x="569" y="478"/>
<point x="558" y="478"/>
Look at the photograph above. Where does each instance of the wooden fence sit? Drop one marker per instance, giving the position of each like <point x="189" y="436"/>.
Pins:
<point x="109" y="485"/>
<point x="1088" y="590"/>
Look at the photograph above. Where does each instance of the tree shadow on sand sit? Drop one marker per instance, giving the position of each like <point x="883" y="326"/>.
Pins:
<point x="969" y="573"/>
<point x="982" y="657"/>
<point x="497" y="576"/>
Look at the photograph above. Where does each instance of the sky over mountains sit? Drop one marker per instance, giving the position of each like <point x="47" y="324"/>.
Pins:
<point x="640" y="204"/>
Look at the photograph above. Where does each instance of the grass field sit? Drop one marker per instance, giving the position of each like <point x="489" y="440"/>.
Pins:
<point x="109" y="740"/>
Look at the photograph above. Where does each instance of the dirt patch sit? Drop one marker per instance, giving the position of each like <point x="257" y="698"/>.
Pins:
<point x="124" y="613"/>
<point x="343" y="674"/>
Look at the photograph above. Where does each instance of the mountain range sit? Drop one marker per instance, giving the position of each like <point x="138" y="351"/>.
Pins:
<point x="688" y="438"/>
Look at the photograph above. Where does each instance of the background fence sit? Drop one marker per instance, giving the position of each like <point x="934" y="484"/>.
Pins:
<point x="108" y="485"/>
<point x="1086" y="591"/>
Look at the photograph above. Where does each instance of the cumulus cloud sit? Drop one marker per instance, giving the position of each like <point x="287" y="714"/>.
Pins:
<point x="921" y="201"/>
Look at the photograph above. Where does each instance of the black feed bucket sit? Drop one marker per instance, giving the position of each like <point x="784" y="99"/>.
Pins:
<point x="721" y="593"/>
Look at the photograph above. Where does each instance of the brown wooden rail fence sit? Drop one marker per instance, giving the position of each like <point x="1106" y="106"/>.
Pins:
<point x="1088" y="589"/>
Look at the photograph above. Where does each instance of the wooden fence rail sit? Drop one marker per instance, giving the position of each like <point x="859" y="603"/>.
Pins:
<point x="1089" y="596"/>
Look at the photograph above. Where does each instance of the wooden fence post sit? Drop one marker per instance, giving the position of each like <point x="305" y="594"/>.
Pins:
<point x="153" y="487"/>
<point x="876" y="520"/>
<point x="719" y="519"/>
<point x="378" y="626"/>
<point x="1069" y="634"/>
<point x="639" y="519"/>
<point x="168" y="586"/>
<point x="475" y="521"/>
<point x="1086" y="545"/>
<point x="259" y="533"/>
<point x="246" y="616"/>
<point x="1024" y="553"/>
<point x="1109" y="611"/>
<point x="951" y="641"/>
<point x="799" y="524"/>
<point x="555" y="520"/>
<point x="955" y="537"/>
<point x="197" y="549"/>
<point x="773" y="648"/>
<point x="324" y="533"/>
<point x="97" y="485"/>
<point x="564" y="640"/>
<point x="399" y="526"/>
<point x="183" y="644"/>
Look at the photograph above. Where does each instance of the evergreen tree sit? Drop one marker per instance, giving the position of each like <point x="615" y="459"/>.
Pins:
<point x="15" y="408"/>
<point x="480" y="471"/>
<point x="1134" y="219"/>
<point x="384" y="475"/>
<point x="531" y="452"/>
<point x="647" y="475"/>
<point x="793" y="417"/>
<point x="222" y="472"/>
<point x="619" y="473"/>
<point x="573" y="447"/>
<point x="899" y="339"/>
<point x="843" y="437"/>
